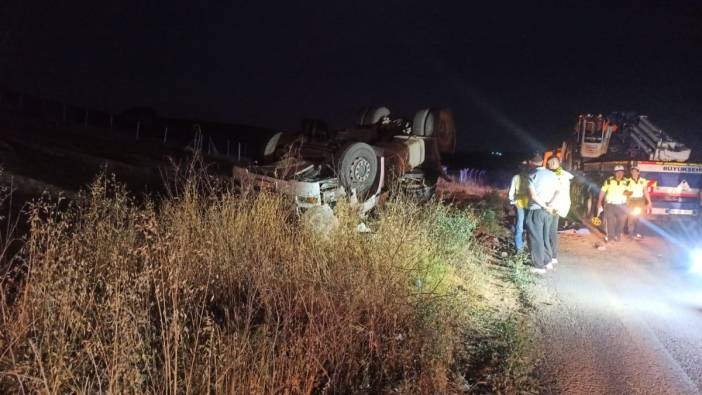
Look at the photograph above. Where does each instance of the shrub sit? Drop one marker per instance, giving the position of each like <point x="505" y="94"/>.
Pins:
<point x="211" y="291"/>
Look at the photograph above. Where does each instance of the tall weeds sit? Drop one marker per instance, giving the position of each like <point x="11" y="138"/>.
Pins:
<point x="215" y="292"/>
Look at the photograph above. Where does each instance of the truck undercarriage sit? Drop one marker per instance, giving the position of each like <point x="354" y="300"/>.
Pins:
<point x="318" y="166"/>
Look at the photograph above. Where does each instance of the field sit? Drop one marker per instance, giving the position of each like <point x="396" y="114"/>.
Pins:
<point x="164" y="278"/>
<point x="212" y="290"/>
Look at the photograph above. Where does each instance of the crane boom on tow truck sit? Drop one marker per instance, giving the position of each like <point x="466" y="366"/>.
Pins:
<point x="600" y="143"/>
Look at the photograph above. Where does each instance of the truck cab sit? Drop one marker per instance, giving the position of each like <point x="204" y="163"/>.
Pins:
<point x="674" y="187"/>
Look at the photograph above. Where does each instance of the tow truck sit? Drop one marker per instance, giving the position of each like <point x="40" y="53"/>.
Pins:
<point x="601" y="142"/>
<point x="318" y="166"/>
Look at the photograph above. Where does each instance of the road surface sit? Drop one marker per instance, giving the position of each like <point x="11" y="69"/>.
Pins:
<point x="624" y="320"/>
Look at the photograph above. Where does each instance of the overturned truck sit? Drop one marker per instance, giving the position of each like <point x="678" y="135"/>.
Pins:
<point x="318" y="165"/>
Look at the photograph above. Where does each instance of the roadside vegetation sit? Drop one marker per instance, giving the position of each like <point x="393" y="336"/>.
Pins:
<point x="215" y="290"/>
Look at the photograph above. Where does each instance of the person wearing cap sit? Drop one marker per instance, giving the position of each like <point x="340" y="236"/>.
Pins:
<point x="614" y="193"/>
<point x="543" y="189"/>
<point x="639" y="201"/>
<point x="561" y="203"/>
<point x="519" y="198"/>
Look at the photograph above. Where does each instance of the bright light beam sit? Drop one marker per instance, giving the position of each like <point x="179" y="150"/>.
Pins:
<point x="483" y="105"/>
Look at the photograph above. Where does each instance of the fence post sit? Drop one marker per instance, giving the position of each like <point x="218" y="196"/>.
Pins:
<point x="198" y="137"/>
<point x="137" y="129"/>
<point x="238" y="152"/>
<point x="227" y="148"/>
<point x="165" y="135"/>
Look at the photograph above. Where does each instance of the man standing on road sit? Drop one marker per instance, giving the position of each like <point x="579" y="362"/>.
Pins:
<point x="639" y="202"/>
<point x="543" y="188"/>
<point x="519" y="198"/>
<point x="561" y="203"/>
<point x="614" y="192"/>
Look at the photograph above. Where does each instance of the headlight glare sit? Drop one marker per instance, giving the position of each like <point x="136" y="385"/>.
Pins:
<point x="696" y="261"/>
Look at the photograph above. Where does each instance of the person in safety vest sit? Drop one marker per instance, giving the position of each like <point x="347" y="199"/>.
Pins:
<point x="615" y="192"/>
<point x="519" y="198"/>
<point x="561" y="203"/>
<point x="639" y="202"/>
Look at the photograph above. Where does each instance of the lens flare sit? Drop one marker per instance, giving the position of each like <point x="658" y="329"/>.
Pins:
<point x="636" y="211"/>
<point x="696" y="261"/>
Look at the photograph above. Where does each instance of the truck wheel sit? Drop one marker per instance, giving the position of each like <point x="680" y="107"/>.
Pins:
<point x="369" y="116"/>
<point x="423" y="123"/>
<point x="270" y="147"/>
<point x="357" y="167"/>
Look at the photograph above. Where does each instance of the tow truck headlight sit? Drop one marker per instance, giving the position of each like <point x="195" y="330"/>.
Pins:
<point x="696" y="261"/>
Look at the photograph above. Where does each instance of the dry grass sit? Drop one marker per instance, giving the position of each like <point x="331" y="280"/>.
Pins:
<point x="210" y="291"/>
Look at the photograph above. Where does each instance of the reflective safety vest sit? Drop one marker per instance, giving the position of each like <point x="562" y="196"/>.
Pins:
<point x="519" y="190"/>
<point x="614" y="190"/>
<point x="637" y="187"/>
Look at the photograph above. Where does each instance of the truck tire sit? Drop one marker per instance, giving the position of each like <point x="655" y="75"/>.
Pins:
<point x="369" y="116"/>
<point x="357" y="167"/>
<point x="270" y="147"/>
<point x="423" y="123"/>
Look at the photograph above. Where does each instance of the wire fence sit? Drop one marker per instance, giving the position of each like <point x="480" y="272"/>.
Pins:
<point x="141" y="124"/>
<point x="498" y="179"/>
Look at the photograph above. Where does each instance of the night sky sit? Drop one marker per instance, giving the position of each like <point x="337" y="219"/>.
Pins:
<point x="508" y="71"/>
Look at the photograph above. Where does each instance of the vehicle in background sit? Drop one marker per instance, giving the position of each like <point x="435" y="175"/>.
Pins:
<point x="674" y="187"/>
<point x="319" y="165"/>
<point x="599" y="143"/>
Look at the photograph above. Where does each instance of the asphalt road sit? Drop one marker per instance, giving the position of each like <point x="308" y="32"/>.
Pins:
<point x="624" y="320"/>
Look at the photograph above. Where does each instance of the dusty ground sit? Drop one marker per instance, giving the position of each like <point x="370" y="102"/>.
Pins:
<point x="626" y="320"/>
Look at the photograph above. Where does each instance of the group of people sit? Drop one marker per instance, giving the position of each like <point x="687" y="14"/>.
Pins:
<point x="541" y="196"/>
<point x="625" y="199"/>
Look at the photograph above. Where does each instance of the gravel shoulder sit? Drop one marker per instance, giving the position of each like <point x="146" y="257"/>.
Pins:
<point x="623" y="320"/>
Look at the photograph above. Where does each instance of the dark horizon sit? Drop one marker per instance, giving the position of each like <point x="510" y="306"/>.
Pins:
<point x="511" y="73"/>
